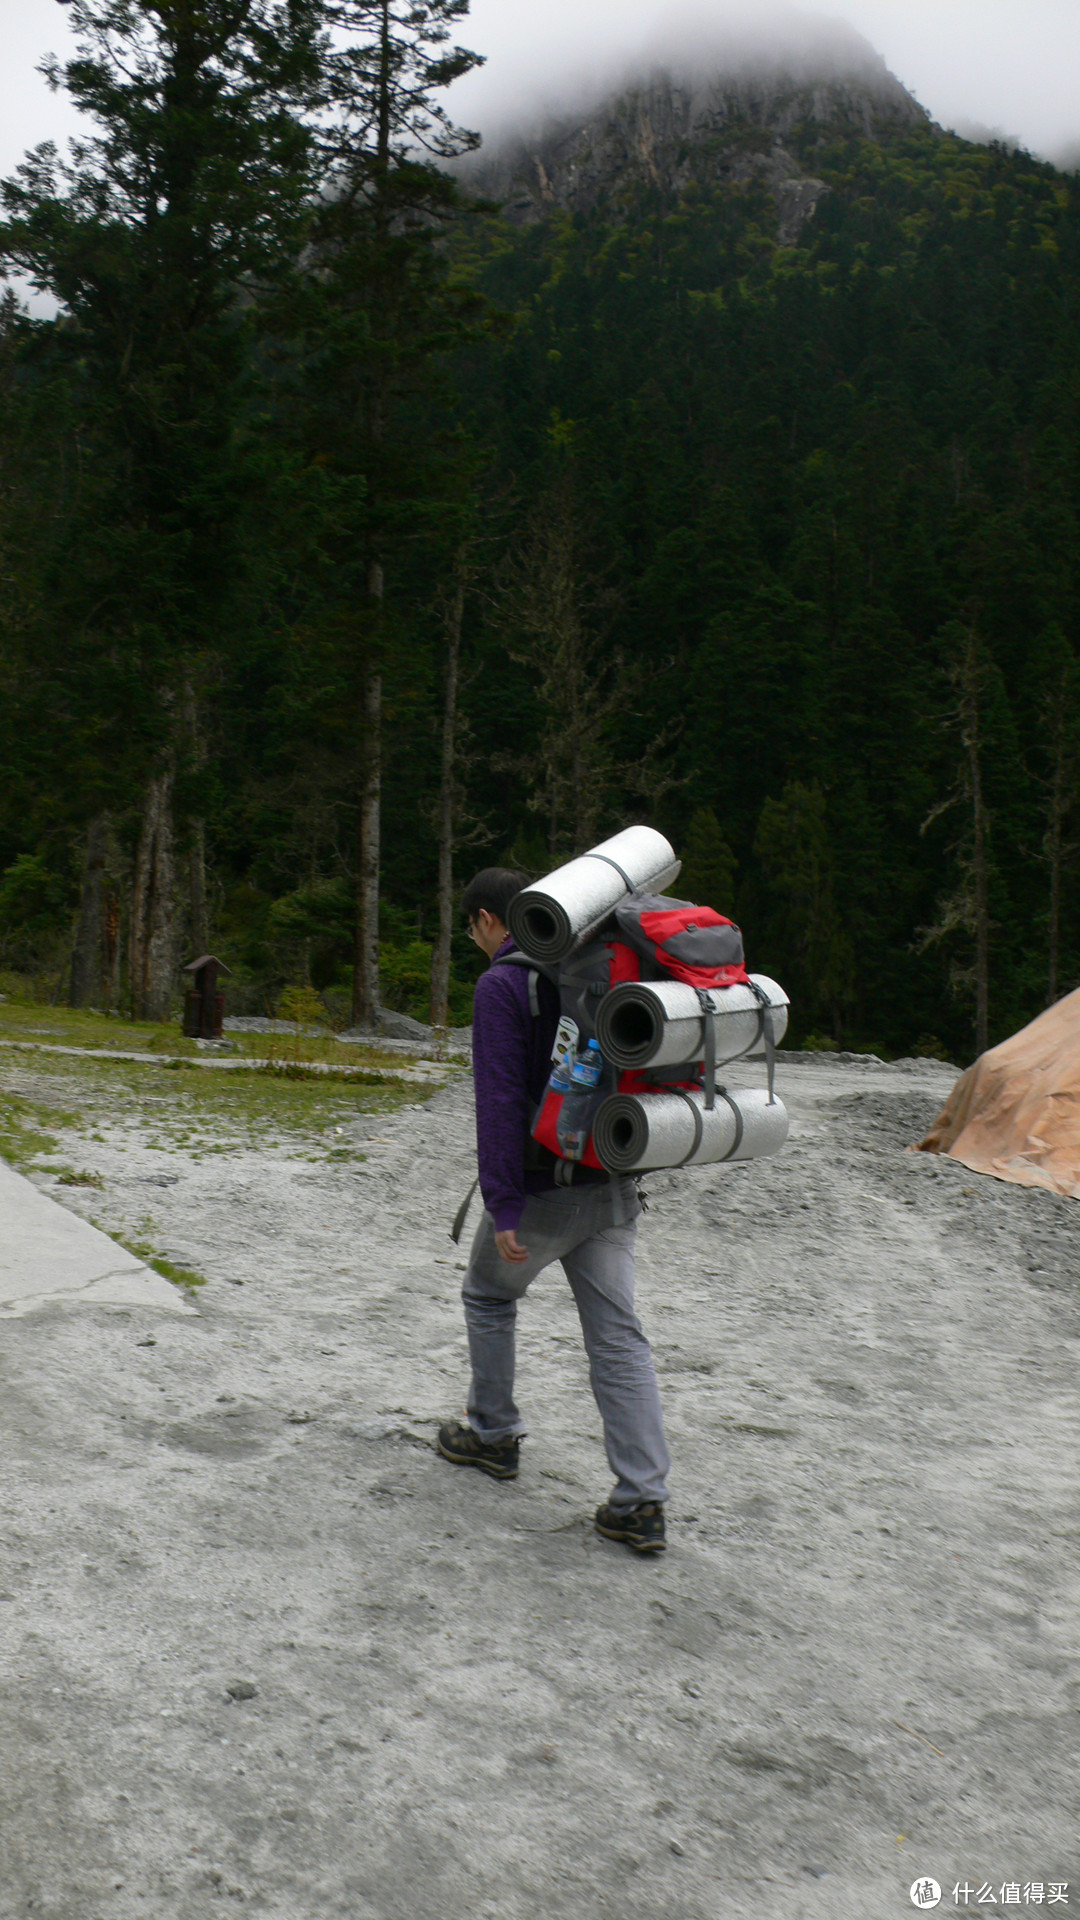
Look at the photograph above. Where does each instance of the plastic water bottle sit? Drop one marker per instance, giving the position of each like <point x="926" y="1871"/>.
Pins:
<point x="574" y="1123"/>
<point x="559" y="1077"/>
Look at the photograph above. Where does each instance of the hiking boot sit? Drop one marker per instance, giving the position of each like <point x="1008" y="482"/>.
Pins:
<point x="639" y="1527"/>
<point x="466" y="1449"/>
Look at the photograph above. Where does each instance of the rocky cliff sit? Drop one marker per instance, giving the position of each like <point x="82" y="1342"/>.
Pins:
<point x="725" y="117"/>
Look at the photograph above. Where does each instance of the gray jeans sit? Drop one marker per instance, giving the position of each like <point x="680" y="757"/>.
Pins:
<point x="591" y="1231"/>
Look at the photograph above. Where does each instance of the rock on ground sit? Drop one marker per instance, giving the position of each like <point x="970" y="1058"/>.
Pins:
<point x="398" y="1030"/>
<point x="264" y="1652"/>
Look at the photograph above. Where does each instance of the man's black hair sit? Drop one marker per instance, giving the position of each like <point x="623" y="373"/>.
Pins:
<point x="493" y="888"/>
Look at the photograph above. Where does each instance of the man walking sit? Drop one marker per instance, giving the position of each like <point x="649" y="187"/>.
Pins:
<point x="529" y="1221"/>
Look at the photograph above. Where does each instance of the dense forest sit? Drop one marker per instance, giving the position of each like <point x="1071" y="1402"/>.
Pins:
<point x="354" y="533"/>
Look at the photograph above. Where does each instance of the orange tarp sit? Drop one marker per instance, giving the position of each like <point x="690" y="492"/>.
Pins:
<point x="1016" y="1112"/>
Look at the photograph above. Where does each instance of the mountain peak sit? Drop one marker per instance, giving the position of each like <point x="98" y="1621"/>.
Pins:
<point x="719" y="109"/>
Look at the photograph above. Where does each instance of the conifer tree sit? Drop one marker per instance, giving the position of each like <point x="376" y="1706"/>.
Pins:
<point x="708" y="864"/>
<point x="374" y="312"/>
<point x="186" y="196"/>
<point x="978" y="721"/>
<point x="795" y="849"/>
<point x="557" y="606"/>
<point x="1059" y="714"/>
<point x="455" y="826"/>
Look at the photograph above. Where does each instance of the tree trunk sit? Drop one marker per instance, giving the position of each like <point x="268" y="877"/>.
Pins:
<point x="972" y="721"/>
<point x="113" y="946"/>
<point x="153" y="955"/>
<point x="982" y="906"/>
<point x="95" y="960"/>
<point x="365" y="1007"/>
<point x="1055" y="843"/>
<point x="196" y="859"/>
<point x="366" y="957"/>
<point x="365" y="997"/>
<point x="440" y="958"/>
<point x="88" y="968"/>
<point x="200" y="925"/>
<point x="577" y="776"/>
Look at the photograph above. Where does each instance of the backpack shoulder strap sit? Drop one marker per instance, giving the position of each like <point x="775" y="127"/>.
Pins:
<point x="534" y="967"/>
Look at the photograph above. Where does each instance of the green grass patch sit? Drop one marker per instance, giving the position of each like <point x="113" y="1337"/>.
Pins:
<point x="22" y="1139"/>
<point x="309" y="1070"/>
<point x="168" y="1269"/>
<point x="102" y="1032"/>
<point x="170" y="1040"/>
<point x="307" y="1049"/>
<point x="76" y="1027"/>
<point x="198" y="1111"/>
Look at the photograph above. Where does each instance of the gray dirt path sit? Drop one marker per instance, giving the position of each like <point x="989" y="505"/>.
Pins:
<point x="856" y="1665"/>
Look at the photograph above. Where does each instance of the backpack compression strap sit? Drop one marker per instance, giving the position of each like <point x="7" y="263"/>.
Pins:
<point x="708" y="1008"/>
<point x="699" y="1126"/>
<point x="608" y="862"/>
<point x="767" y="1034"/>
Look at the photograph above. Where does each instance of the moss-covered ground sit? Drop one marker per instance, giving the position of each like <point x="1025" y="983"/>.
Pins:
<point x="78" y="1027"/>
<point x="199" y="1112"/>
<point x="59" y="1107"/>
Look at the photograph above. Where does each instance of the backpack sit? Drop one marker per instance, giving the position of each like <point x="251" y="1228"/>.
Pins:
<point x="652" y="937"/>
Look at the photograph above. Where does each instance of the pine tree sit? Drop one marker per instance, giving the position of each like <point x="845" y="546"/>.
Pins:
<point x="456" y="826"/>
<point x="794" y="847"/>
<point x="977" y="720"/>
<point x="1059" y="714"/>
<point x="152" y="236"/>
<point x="556" y="607"/>
<point x="708" y="864"/>
<point x="375" y="310"/>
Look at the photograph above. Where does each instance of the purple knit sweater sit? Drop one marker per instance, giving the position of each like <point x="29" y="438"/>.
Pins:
<point x="511" y="1064"/>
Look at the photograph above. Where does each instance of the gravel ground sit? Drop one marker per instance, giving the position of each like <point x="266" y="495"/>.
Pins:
<point x="263" y="1651"/>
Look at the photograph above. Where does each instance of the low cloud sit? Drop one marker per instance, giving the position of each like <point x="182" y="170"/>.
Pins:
<point x="1010" y="64"/>
<point x="999" y="67"/>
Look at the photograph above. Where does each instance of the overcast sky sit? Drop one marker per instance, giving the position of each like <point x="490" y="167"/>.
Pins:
<point x="1008" y="65"/>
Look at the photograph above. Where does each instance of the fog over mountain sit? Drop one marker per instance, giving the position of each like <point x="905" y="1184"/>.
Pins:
<point x="771" y="43"/>
<point x="677" y="116"/>
<point x="1000" y="68"/>
<point x="986" y="67"/>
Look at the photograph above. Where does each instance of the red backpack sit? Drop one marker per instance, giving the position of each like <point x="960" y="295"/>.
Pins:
<point x="652" y="938"/>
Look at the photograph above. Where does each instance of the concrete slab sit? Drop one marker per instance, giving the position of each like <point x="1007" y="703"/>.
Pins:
<point x="50" y="1256"/>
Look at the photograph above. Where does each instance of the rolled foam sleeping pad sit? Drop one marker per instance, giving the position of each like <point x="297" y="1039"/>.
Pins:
<point x="658" y="1023"/>
<point x="634" y="1132"/>
<point x="569" y="905"/>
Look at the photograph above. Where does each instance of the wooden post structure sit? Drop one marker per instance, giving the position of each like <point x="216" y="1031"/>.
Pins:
<point x="204" y="1006"/>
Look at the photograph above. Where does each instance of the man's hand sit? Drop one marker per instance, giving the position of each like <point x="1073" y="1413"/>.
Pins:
<point x="509" y="1248"/>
